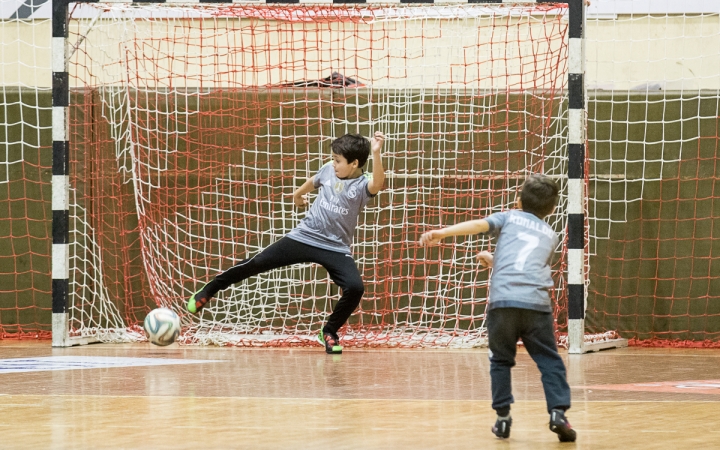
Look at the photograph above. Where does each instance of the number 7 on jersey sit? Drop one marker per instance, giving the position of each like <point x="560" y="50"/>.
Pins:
<point x="531" y="242"/>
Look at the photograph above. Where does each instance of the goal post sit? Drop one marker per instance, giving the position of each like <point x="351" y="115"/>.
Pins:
<point x="577" y="273"/>
<point x="60" y="289"/>
<point x="577" y="224"/>
<point x="180" y="130"/>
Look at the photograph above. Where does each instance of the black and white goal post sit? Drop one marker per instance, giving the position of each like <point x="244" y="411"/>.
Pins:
<point x="577" y="195"/>
<point x="60" y="176"/>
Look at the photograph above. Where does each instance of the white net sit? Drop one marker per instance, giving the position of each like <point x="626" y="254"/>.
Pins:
<point x="25" y="216"/>
<point x="653" y="78"/>
<point x="191" y="128"/>
<point x="186" y="139"/>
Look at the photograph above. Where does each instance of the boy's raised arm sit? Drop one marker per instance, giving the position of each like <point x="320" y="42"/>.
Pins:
<point x="378" y="172"/>
<point x="299" y="196"/>
<point x="460" y="229"/>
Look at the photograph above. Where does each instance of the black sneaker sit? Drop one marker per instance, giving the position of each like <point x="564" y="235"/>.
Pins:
<point x="198" y="301"/>
<point x="560" y="425"/>
<point x="501" y="428"/>
<point x="331" y="343"/>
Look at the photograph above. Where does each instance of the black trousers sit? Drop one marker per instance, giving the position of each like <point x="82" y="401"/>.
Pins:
<point x="536" y="329"/>
<point x="285" y="252"/>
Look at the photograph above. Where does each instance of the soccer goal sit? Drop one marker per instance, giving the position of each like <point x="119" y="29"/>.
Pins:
<point x="180" y="132"/>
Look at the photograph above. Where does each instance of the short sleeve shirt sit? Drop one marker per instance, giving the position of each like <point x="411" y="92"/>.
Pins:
<point x="521" y="276"/>
<point x="330" y="224"/>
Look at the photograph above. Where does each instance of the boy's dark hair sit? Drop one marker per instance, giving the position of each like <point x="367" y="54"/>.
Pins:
<point x="352" y="147"/>
<point x="539" y="195"/>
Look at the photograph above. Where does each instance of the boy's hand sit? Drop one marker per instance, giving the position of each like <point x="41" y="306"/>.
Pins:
<point x="431" y="237"/>
<point x="378" y="172"/>
<point x="377" y="141"/>
<point x="485" y="258"/>
<point x="300" y="200"/>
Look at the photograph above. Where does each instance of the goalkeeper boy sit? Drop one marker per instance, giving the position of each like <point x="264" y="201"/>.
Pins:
<point x="519" y="305"/>
<point x="325" y="235"/>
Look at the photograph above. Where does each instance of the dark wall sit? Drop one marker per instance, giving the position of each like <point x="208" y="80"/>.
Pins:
<point x="658" y="274"/>
<point x="654" y="277"/>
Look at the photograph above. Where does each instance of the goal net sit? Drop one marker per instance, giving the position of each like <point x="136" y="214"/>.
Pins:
<point x="654" y="131"/>
<point x="190" y="128"/>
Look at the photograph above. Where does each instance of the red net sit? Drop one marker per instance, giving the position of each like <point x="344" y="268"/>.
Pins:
<point x="191" y="131"/>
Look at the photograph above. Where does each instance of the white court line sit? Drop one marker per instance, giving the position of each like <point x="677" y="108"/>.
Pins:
<point x="20" y="405"/>
<point x="52" y="363"/>
<point x="223" y="427"/>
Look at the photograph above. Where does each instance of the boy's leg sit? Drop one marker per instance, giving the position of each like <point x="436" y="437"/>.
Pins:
<point x="284" y="252"/>
<point x="539" y="338"/>
<point x="343" y="271"/>
<point x="502" y="341"/>
<point x="538" y="335"/>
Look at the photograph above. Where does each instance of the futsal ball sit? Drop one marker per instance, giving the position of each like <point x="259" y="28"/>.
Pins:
<point x="162" y="326"/>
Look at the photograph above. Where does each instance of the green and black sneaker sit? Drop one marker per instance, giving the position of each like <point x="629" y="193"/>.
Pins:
<point x="198" y="301"/>
<point x="331" y="343"/>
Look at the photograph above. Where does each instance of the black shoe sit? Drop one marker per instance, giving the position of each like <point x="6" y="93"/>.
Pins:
<point x="501" y="428"/>
<point x="331" y="341"/>
<point x="560" y="425"/>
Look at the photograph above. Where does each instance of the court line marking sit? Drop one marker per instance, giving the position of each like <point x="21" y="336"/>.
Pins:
<point x="576" y="409"/>
<point x="224" y="427"/>
<point x="21" y="405"/>
<point x="653" y="354"/>
<point x="55" y="363"/>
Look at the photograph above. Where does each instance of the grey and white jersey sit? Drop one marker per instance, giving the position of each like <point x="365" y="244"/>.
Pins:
<point x="521" y="276"/>
<point x="330" y="223"/>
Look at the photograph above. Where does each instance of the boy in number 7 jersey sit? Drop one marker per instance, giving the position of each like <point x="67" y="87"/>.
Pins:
<point x="519" y="305"/>
<point x="325" y="235"/>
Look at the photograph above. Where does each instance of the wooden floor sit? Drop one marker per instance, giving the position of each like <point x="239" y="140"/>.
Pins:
<point x="364" y="399"/>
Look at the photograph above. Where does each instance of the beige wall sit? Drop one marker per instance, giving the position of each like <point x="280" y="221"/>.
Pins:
<point x="672" y="52"/>
<point x="417" y="53"/>
<point x="25" y="53"/>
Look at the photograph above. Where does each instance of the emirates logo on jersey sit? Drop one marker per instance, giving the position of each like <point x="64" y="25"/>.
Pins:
<point x="338" y="187"/>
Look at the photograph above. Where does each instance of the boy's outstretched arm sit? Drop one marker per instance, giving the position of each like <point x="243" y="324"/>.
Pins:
<point x="378" y="172"/>
<point x="299" y="196"/>
<point x="460" y="229"/>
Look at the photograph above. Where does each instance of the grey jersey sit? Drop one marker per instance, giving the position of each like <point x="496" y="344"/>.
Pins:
<point x="521" y="276"/>
<point x="330" y="223"/>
